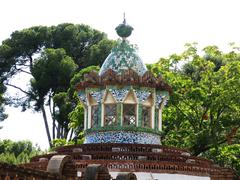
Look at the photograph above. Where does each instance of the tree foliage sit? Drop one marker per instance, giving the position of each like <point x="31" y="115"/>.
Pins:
<point x="203" y="113"/>
<point x="227" y="155"/>
<point x="17" y="152"/>
<point x="2" y="89"/>
<point x="2" y="102"/>
<point x="76" y="115"/>
<point x="50" y="56"/>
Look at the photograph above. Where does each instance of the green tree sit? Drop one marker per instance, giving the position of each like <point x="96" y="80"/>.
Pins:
<point x="17" y="152"/>
<point x="76" y="115"/>
<point x="203" y="111"/>
<point x="28" y="51"/>
<point x="2" y="103"/>
<point x="52" y="72"/>
<point x="227" y="155"/>
<point x="3" y="68"/>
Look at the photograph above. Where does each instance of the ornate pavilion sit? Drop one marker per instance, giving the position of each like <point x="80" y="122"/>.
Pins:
<point x="123" y="106"/>
<point x="124" y="102"/>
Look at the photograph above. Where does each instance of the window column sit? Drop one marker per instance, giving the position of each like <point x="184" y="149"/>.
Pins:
<point x="85" y="118"/>
<point x="120" y="113"/>
<point x="139" y="112"/>
<point x="89" y="117"/>
<point x="160" y="117"/>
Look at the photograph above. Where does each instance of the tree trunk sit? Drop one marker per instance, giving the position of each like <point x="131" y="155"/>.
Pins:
<point x="53" y="128"/>
<point x="52" y="112"/>
<point x="61" y="133"/>
<point x="46" y="125"/>
<point x="58" y="131"/>
<point x="65" y="133"/>
<point x="71" y="134"/>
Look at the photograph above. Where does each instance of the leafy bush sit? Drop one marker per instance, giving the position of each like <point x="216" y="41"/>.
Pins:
<point x="17" y="152"/>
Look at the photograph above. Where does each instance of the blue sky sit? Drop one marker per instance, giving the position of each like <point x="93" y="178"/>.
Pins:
<point x="160" y="28"/>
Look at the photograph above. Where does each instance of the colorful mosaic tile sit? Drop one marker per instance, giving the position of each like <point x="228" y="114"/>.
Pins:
<point x="122" y="137"/>
<point x="159" y="99"/>
<point x="119" y="94"/>
<point x="142" y="95"/>
<point x="165" y="102"/>
<point x="82" y="96"/>
<point x="97" y="95"/>
<point x="123" y="57"/>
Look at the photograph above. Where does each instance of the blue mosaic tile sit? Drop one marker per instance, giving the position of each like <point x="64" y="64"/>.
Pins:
<point x="119" y="94"/>
<point x="159" y="99"/>
<point x="97" y="95"/>
<point x="82" y="96"/>
<point x="122" y="137"/>
<point x="142" y="95"/>
<point x="165" y="102"/>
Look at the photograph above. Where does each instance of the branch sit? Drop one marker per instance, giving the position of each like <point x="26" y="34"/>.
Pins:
<point x="232" y="134"/>
<point x="22" y="64"/>
<point x="192" y="123"/>
<point x="24" y="71"/>
<point x="220" y="111"/>
<point x="191" y="106"/>
<point x="31" y="62"/>
<point x="206" y="110"/>
<point x="209" y="146"/>
<point x="20" y="89"/>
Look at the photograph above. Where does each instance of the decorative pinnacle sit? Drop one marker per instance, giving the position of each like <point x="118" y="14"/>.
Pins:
<point x="124" y="19"/>
<point x="124" y="30"/>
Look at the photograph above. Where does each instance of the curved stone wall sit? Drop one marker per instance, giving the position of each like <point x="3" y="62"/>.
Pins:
<point x="122" y="137"/>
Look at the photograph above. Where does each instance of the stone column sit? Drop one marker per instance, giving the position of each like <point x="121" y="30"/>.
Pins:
<point x="160" y="116"/>
<point x="139" y="116"/>
<point x="89" y="117"/>
<point x="102" y="114"/>
<point x="120" y="113"/>
<point x="85" y="117"/>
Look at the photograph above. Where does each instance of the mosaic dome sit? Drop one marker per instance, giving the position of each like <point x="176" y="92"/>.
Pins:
<point x="123" y="56"/>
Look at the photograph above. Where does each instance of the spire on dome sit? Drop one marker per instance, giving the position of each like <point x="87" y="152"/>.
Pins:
<point x="124" y="30"/>
<point x="123" y="56"/>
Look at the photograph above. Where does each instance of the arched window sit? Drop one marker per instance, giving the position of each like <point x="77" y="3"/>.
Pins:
<point x="95" y="112"/>
<point x="129" y="114"/>
<point x="146" y="116"/>
<point x="110" y="110"/>
<point x="130" y="110"/>
<point x="110" y="114"/>
<point x="147" y="112"/>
